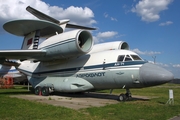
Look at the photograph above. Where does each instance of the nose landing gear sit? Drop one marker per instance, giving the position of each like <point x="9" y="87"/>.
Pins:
<point x="125" y="97"/>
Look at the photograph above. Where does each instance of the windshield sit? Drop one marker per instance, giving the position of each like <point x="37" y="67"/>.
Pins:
<point x="135" y="57"/>
<point x="122" y="58"/>
<point x="128" y="58"/>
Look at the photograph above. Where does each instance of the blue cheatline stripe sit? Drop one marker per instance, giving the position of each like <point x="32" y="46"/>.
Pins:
<point x="89" y="68"/>
<point x="58" y="43"/>
<point x="13" y="70"/>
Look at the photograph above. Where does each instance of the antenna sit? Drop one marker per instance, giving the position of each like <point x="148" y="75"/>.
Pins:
<point x="154" y="58"/>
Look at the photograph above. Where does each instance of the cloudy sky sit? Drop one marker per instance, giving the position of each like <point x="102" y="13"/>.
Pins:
<point x="151" y="27"/>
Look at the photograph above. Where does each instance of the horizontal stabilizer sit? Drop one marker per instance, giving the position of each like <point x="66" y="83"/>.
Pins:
<point x="79" y="27"/>
<point x="43" y="16"/>
<point x="22" y="54"/>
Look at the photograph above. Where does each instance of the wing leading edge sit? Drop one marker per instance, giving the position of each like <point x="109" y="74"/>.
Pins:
<point x="22" y="54"/>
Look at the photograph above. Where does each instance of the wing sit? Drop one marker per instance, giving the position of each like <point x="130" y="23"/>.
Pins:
<point x="36" y="55"/>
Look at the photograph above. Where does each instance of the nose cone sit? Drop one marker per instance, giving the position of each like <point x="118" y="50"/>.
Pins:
<point x="151" y="75"/>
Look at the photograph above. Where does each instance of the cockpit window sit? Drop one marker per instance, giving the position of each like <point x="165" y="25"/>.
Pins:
<point x="120" y="58"/>
<point x="135" y="57"/>
<point x="128" y="58"/>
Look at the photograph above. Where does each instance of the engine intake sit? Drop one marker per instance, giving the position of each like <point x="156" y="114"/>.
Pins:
<point x="123" y="45"/>
<point x="84" y="41"/>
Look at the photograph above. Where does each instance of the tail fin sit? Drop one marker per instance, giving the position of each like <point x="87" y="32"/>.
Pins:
<point x="31" y="40"/>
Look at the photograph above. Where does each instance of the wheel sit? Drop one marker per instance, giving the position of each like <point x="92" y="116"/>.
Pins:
<point x="45" y="91"/>
<point x="38" y="90"/>
<point x="122" y="97"/>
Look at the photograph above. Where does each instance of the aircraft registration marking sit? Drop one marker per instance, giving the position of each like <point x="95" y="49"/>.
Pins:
<point x="119" y="64"/>
<point x="99" y="74"/>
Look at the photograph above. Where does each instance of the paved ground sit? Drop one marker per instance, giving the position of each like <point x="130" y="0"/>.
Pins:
<point x="77" y="101"/>
<point x="175" y="118"/>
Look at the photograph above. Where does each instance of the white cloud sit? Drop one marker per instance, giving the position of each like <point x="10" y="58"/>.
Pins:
<point x="149" y="10"/>
<point x="166" y="23"/>
<point x="160" y="64"/>
<point x="16" y="9"/>
<point x="107" y="34"/>
<point x="101" y="36"/>
<point x="111" y="18"/>
<point x="127" y="8"/>
<point x="77" y="15"/>
<point x="106" y="15"/>
<point x="176" y="66"/>
<point x="146" y="52"/>
<point x="163" y="65"/>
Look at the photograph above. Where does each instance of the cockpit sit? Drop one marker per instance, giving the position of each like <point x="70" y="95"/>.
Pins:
<point x="123" y="58"/>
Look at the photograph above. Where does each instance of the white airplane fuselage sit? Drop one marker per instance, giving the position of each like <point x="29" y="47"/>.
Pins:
<point x="94" y="71"/>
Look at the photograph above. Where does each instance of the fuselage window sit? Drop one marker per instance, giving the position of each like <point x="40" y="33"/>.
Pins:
<point x="120" y="58"/>
<point x="135" y="57"/>
<point x="128" y="58"/>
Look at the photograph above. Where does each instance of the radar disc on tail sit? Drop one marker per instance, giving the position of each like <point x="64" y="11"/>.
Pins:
<point x="25" y="26"/>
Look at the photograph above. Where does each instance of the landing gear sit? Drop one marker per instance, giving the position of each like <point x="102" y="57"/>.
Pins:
<point x="122" y="97"/>
<point x="38" y="90"/>
<point x="125" y="97"/>
<point x="44" y="91"/>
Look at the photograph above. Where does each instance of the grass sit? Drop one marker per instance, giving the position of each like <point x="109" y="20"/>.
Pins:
<point x="153" y="109"/>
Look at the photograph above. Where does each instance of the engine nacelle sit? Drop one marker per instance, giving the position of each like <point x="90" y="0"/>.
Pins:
<point x="68" y="44"/>
<point x="110" y="46"/>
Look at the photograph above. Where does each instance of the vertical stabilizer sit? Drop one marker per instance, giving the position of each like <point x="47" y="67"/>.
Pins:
<point x="31" y="41"/>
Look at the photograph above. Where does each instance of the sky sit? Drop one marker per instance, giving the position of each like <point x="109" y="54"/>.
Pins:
<point x="150" y="27"/>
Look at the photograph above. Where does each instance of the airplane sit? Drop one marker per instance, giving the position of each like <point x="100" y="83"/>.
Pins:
<point x="68" y="61"/>
<point x="10" y="71"/>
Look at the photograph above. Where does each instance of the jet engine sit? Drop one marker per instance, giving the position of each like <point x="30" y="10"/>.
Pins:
<point x="67" y="44"/>
<point x="110" y="46"/>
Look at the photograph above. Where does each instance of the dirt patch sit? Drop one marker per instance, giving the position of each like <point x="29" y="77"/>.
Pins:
<point x="76" y="101"/>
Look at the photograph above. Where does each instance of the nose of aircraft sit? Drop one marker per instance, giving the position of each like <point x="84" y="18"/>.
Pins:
<point x="151" y="75"/>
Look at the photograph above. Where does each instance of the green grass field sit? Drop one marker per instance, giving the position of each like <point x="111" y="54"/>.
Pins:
<point x="153" y="109"/>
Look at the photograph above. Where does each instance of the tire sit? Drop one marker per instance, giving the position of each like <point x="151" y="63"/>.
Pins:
<point x="45" y="91"/>
<point x="122" y="97"/>
<point x="38" y="90"/>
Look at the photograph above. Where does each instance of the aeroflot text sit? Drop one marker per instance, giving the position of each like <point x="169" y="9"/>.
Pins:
<point x="99" y="74"/>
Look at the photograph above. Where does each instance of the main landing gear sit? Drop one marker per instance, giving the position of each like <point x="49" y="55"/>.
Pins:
<point x="44" y="91"/>
<point x="125" y="97"/>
